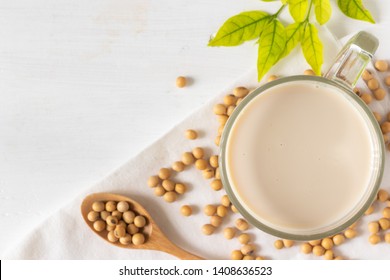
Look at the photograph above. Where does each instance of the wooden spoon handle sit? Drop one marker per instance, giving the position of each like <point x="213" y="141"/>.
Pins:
<point x="182" y="254"/>
<point x="159" y="241"/>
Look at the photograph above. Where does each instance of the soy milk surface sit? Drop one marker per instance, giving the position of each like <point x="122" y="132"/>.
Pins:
<point x="299" y="156"/>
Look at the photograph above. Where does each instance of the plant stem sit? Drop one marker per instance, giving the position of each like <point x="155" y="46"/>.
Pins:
<point x="279" y="11"/>
<point x="308" y="12"/>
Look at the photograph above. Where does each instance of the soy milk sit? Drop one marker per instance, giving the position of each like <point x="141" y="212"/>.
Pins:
<point x="299" y="156"/>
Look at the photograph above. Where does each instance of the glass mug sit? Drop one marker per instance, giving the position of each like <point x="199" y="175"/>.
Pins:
<point x="302" y="157"/>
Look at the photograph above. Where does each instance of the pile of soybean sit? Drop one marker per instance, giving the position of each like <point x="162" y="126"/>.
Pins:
<point x="121" y="223"/>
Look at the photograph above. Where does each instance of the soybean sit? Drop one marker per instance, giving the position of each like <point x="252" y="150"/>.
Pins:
<point x="111" y="237"/>
<point x="382" y="194"/>
<point x="168" y="185"/>
<point x="188" y="158"/>
<point x="178" y="166"/>
<point x="367" y="98"/>
<point x="181" y="81"/>
<point x="385" y="126"/>
<point x="125" y="240"/>
<point x="225" y="201"/>
<point x="93" y="216"/>
<point x="387" y="80"/>
<point x="201" y="164"/>
<point x="244" y="238"/>
<point x="191" y="134"/>
<point x="240" y="92"/>
<point x="379" y="94"/>
<point x="210" y="210"/>
<point x="374" y="239"/>
<point x="288" y="243"/>
<point x="208" y="173"/>
<point x="387" y="237"/>
<point x="215" y="220"/>
<point x="222" y="211"/>
<point x="222" y="119"/>
<point x="328" y="255"/>
<point x="241" y="224"/>
<point x="373" y="227"/>
<point x="278" y="244"/>
<point x="98" y="206"/>
<point x="214" y="161"/>
<point x="230" y="110"/>
<point x="236" y="255"/>
<point x="216" y="185"/>
<point x="180" y="188"/>
<point x="370" y="210"/>
<point x="386" y="212"/>
<point x="132" y="229"/>
<point x="112" y="221"/>
<point x="198" y="152"/>
<point x="117" y="214"/>
<point x="164" y="173"/>
<point x="99" y="225"/>
<point x="309" y="72"/>
<point x="327" y="243"/>
<point x="104" y="214"/>
<point x="170" y="196"/>
<point x="219" y="109"/>
<point x="272" y="78"/>
<point x="384" y="223"/>
<point x="110" y="206"/>
<point x="229" y="233"/>
<point x="373" y="84"/>
<point x="338" y="239"/>
<point x="128" y="217"/>
<point x="138" y="239"/>
<point x="381" y="65"/>
<point x="350" y="233"/>
<point x="315" y="242"/>
<point x="248" y="249"/>
<point x="238" y="101"/>
<point x="318" y="250"/>
<point x="139" y="221"/>
<point x="366" y="75"/>
<point x="153" y="181"/>
<point x="159" y="191"/>
<point x="229" y="100"/>
<point x="306" y="248"/>
<point x="208" y="229"/>
<point x="186" y="210"/>
<point x="120" y="231"/>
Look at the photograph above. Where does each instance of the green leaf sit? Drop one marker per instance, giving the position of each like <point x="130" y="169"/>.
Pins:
<point x="323" y="10"/>
<point x="298" y="9"/>
<point x="312" y="48"/>
<point x="355" y="9"/>
<point x="271" y="46"/>
<point x="240" y="28"/>
<point x="293" y="37"/>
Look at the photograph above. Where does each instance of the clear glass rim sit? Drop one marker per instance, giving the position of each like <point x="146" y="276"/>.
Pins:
<point x="242" y="209"/>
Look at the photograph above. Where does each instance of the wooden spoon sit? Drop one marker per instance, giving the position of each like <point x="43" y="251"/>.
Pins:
<point x="155" y="239"/>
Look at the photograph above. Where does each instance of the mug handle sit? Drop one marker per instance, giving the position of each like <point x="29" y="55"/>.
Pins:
<point x="353" y="59"/>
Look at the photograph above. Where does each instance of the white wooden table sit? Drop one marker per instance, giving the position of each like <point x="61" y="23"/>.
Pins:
<point x="85" y="85"/>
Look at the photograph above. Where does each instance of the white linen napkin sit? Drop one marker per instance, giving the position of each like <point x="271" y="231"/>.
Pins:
<point x="64" y="235"/>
